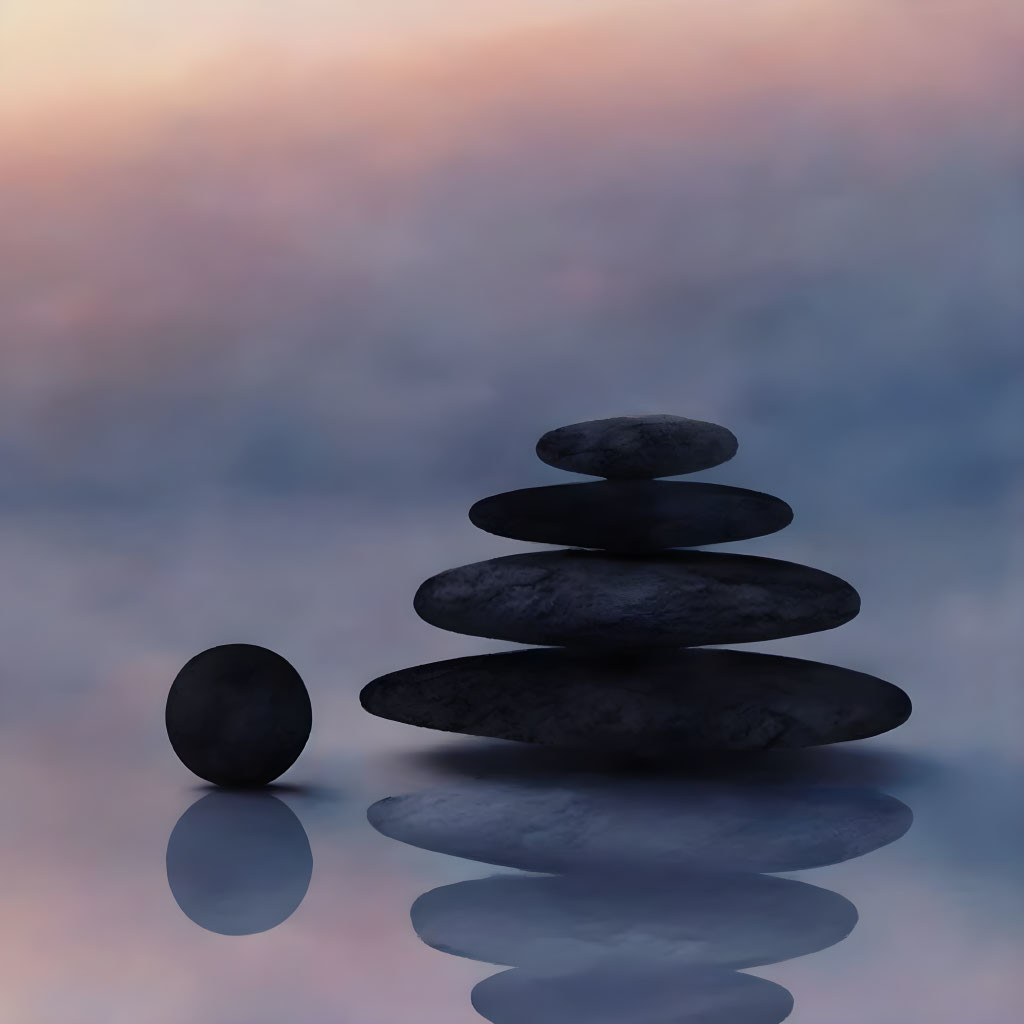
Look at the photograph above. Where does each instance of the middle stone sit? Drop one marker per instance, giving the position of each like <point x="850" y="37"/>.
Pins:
<point x="598" y="599"/>
<point x="632" y="515"/>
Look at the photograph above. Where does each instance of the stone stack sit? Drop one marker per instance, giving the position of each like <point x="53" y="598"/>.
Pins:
<point x="618" y="615"/>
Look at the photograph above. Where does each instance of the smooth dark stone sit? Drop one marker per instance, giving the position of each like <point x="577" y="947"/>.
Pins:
<point x="632" y="515"/>
<point x="238" y="863"/>
<point x="655" y="705"/>
<point x="637" y="447"/>
<point x="652" y="995"/>
<point x="238" y="715"/>
<point x="597" y="824"/>
<point x="672" y="599"/>
<point x="570" y="922"/>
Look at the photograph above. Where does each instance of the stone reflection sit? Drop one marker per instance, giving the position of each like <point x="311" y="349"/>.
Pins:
<point x="647" y="893"/>
<point x="239" y="863"/>
<point x="652" y="995"/>
<point x="590" y="822"/>
<point x="632" y="918"/>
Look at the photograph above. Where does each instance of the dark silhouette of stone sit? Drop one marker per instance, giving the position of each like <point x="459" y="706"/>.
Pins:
<point x="618" y="995"/>
<point x="238" y="863"/>
<point x="238" y="715"/>
<point x="654" y="704"/>
<point x="672" y="599"/>
<point x="595" y="824"/>
<point x="571" y="922"/>
<point x="632" y="515"/>
<point x="637" y="447"/>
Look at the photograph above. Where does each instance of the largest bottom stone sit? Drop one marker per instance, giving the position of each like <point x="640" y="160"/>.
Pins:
<point x="656" y="703"/>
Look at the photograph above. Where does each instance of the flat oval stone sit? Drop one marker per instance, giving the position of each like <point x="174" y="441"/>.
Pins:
<point x="652" y="994"/>
<point x="672" y="599"/>
<point x="657" y="704"/>
<point x="637" y="447"/>
<point x="567" y="923"/>
<point x="596" y="824"/>
<point x="632" y="515"/>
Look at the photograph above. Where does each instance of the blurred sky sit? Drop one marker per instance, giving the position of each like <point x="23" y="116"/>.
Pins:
<point x="286" y="287"/>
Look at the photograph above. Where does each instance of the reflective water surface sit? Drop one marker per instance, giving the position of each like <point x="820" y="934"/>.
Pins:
<point x="218" y="921"/>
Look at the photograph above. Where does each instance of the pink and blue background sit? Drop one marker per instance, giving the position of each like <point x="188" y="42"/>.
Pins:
<point x="286" y="287"/>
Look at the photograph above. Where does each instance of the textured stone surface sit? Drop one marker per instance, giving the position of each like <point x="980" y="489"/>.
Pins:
<point x="676" y="598"/>
<point x="652" y="995"/>
<point x="567" y="923"/>
<point x="238" y="863"/>
<point x="637" y="447"/>
<point x="238" y="715"/>
<point x="591" y="823"/>
<point x="657" y="704"/>
<point x="632" y="515"/>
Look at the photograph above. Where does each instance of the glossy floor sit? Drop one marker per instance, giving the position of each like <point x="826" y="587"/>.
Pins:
<point x="106" y="919"/>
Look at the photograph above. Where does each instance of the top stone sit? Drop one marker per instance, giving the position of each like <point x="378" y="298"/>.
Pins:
<point x="637" y="447"/>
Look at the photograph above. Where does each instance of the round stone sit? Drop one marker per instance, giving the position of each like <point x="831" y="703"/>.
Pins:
<point x="238" y="863"/>
<point x="653" y="704"/>
<point x="238" y="715"/>
<point x="637" y="447"/>
<point x="610" y="994"/>
<point x="569" y="922"/>
<point x="598" y="599"/>
<point x="602" y="824"/>
<point x="632" y="515"/>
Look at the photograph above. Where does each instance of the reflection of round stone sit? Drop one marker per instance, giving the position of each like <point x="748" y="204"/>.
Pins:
<point x="238" y="715"/>
<point x="238" y="863"/>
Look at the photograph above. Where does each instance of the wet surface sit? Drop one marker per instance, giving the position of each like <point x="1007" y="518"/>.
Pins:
<point x="142" y="904"/>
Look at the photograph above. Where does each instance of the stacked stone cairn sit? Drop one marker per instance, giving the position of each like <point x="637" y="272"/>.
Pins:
<point x="618" y="618"/>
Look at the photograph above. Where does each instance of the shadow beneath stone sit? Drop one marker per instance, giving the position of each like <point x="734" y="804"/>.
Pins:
<point x="299" y="789"/>
<point x="238" y="862"/>
<point x="836" y="765"/>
